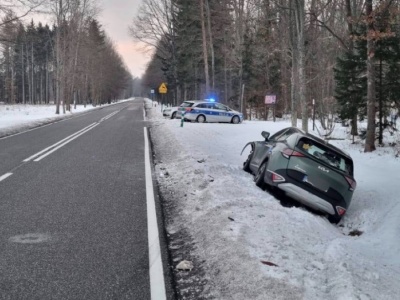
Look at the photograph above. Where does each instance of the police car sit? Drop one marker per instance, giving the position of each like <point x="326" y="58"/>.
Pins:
<point x="171" y="112"/>
<point x="206" y="111"/>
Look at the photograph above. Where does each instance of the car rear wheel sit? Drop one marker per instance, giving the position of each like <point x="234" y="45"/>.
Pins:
<point x="335" y="219"/>
<point x="259" y="177"/>
<point x="201" y="119"/>
<point x="173" y="115"/>
<point x="246" y="164"/>
<point x="235" y="120"/>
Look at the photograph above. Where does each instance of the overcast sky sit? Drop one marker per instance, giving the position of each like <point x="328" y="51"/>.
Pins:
<point x="116" y="16"/>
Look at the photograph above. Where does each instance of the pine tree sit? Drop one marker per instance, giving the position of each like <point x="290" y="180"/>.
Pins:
<point x="350" y="91"/>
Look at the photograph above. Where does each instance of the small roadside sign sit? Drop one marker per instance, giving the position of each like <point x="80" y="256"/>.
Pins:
<point x="163" y="88"/>
<point x="152" y="91"/>
<point x="270" y="99"/>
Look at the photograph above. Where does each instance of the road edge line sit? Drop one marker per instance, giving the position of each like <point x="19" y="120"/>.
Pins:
<point x="157" y="283"/>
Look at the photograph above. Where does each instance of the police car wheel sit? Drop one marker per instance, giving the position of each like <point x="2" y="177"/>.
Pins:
<point x="235" y="120"/>
<point x="201" y="119"/>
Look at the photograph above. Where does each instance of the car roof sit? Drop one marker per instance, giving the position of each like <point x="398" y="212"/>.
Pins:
<point x="321" y="141"/>
<point x="195" y="101"/>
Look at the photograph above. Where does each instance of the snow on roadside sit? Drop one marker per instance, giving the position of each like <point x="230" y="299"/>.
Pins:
<point x="18" y="117"/>
<point x="235" y="225"/>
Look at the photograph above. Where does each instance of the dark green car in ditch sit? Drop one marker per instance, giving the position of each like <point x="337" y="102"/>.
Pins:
<point x="305" y="167"/>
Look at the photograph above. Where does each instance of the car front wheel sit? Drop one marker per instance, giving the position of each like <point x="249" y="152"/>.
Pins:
<point x="201" y="119"/>
<point x="259" y="177"/>
<point x="235" y="120"/>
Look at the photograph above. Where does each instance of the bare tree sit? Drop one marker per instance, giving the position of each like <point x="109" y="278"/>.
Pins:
<point x="18" y="9"/>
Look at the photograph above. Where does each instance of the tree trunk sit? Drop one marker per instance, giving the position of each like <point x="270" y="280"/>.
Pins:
<point x="300" y="20"/>
<point x="32" y="77"/>
<point x="23" y="74"/>
<point x="205" y="52"/>
<point x="294" y="81"/>
<point x="349" y="13"/>
<point x="211" y="46"/>
<point x="371" y="110"/>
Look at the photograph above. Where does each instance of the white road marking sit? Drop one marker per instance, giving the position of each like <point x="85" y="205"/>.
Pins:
<point x="110" y="115"/>
<point x="54" y="145"/>
<point x="5" y="176"/>
<point x="63" y="144"/>
<point x="157" y="284"/>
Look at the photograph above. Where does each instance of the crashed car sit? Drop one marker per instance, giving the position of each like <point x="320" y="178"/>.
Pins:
<point x="306" y="168"/>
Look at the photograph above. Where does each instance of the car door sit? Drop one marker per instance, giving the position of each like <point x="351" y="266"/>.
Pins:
<point x="222" y="113"/>
<point x="210" y="112"/>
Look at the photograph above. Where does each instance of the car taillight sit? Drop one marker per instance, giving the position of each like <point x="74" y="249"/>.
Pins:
<point x="352" y="183"/>
<point x="289" y="152"/>
<point x="277" y="177"/>
<point x="340" y="210"/>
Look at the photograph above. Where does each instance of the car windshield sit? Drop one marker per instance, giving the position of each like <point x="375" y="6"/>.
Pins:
<point x="326" y="155"/>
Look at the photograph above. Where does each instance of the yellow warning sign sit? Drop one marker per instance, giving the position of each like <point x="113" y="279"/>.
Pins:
<point x="163" y="88"/>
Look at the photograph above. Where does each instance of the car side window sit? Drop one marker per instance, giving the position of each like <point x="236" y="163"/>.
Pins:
<point x="220" y="106"/>
<point x="283" y="137"/>
<point x="210" y="105"/>
<point x="202" y="105"/>
<point x="276" y="136"/>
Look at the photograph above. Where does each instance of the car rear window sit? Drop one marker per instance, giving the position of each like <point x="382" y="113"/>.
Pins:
<point x="326" y="155"/>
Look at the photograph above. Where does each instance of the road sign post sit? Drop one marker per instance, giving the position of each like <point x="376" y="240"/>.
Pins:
<point x="152" y="96"/>
<point x="271" y="100"/>
<point x="162" y="89"/>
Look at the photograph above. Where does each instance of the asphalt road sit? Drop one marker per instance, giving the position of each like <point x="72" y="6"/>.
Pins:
<point x="73" y="222"/>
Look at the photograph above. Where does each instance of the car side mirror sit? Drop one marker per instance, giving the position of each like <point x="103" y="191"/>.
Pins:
<point x="265" y="135"/>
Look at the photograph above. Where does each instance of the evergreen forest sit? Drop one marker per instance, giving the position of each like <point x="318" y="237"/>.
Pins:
<point x="71" y="62"/>
<point x="328" y="58"/>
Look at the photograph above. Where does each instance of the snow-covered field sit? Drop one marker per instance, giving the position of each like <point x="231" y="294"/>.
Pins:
<point x="230" y="225"/>
<point x="233" y="225"/>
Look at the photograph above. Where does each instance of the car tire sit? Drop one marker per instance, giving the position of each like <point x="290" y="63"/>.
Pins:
<point x="200" y="119"/>
<point x="173" y="115"/>
<point x="259" y="177"/>
<point x="246" y="164"/>
<point x="235" y="120"/>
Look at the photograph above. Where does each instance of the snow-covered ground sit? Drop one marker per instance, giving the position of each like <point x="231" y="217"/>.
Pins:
<point x="233" y="225"/>
<point x="230" y="225"/>
<point x="19" y="117"/>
